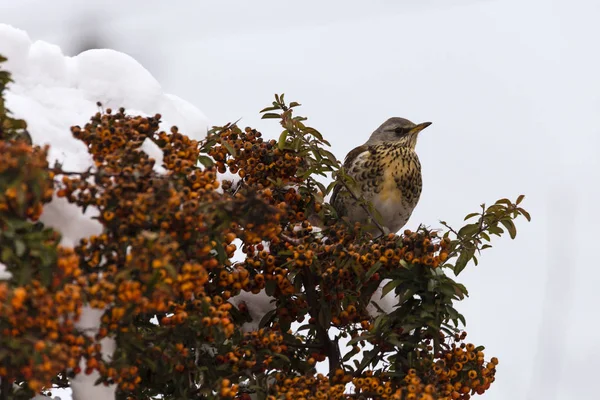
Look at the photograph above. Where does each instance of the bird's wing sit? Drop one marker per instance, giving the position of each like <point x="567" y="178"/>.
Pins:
<point x="351" y="157"/>
<point x="348" y="162"/>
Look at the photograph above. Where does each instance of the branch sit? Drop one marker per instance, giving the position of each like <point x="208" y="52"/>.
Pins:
<point x="290" y="240"/>
<point x="331" y="348"/>
<point x="304" y="345"/>
<point x="364" y="207"/>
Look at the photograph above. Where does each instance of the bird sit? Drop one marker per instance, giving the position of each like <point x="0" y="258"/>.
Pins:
<point x="387" y="175"/>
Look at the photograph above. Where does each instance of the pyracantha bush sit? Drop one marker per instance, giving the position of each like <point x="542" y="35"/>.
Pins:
<point x="163" y="272"/>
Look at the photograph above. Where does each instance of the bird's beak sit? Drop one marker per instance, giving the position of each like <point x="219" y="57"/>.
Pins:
<point x="418" y="128"/>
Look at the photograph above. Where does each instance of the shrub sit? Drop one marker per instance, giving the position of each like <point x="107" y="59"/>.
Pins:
<point x="164" y="272"/>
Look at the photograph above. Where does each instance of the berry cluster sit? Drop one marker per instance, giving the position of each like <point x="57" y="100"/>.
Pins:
<point x="27" y="183"/>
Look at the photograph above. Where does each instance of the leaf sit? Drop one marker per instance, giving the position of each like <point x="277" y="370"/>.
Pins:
<point x="271" y="116"/>
<point x="229" y="148"/>
<point x="504" y="201"/>
<point x="463" y="259"/>
<point x="510" y="227"/>
<point x="314" y="132"/>
<point x="525" y="214"/>
<point x="353" y="351"/>
<point x="468" y="230"/>
<point x="272" y="108"/>
<point x="496" y="230"/>
<point x="471" y="216"/>
<point x="266" y="318"/>
<point x="282" y="139"/>
<point x="390" y="286"/>
<point x="294" y="104"/>
<point x="520" y="199"/>
<point x="206" y="161"/>
<point x="357" y="339"/>
<point x="373" y="269"/>
<point x="270" y="287"/>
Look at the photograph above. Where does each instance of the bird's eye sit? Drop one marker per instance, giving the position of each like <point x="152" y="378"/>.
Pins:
<point x="401" y="130"/>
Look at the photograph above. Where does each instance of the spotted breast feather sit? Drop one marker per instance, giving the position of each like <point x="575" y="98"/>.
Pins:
<point x="389" y="177"/>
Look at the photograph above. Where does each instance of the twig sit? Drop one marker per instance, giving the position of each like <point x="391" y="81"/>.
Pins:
<point x="304" y="345"/>
<point x="290" y="240"/>
<point x="364" y="207"/>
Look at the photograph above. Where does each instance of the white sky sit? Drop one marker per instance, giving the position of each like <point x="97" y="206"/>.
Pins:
<point x="513" y="91"/>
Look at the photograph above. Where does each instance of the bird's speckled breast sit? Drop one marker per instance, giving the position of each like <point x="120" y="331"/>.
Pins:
<point x="390" y="178"/>
<point x="400" y="187"/>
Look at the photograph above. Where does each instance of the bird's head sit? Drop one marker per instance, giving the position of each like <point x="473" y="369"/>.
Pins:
<point x="397" y="130"/>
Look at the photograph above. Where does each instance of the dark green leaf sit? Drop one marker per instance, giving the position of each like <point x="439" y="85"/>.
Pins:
<point x="206" y="161"/>
<point x="463" y="259"/>
<point x="272" y="108"/>
<point x="373" y="269"/>
<point x="266" y="318"/>
<point x="471" y="216"/>
<point x="390" y="286"/>
<point x="271" y="116"/>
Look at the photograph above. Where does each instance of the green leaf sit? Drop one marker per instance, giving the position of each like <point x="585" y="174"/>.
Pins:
<point x="468" y="230"/>
<point x="266" y="318"/>
<point x="350" y="354"/>
<point x="510" y="227"/>
<point x="282" y="140"/>
<point x="463" y="259"/>
<point x="271" y="116"/>
<point x="524" y="213"/>
<point x="373" y="269"/>
<point x="504" y="201"/>
<point x="229" y="148"/>
<point x="390" y="286"/>
<point x="471" y="216"/>
<point x="206" y="161"/>
<point x="496" y="230"/>
<point x="272" y="108"/>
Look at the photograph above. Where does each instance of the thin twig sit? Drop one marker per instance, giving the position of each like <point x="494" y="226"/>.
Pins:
<point x="364" y="207"/>
<point x="304" y="345"/>
<point x="290" y="240"/>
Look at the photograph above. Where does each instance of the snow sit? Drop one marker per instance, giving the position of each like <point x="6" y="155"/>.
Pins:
<point x="259" y="305"/>
<point x="4" y="274"/>
<point x="53" y="92"/>
<point x="152" y="149"/>
<point x="386" y="303"/>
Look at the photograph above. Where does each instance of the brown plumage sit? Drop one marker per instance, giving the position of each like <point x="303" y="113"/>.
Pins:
<point x="387" y="173"/>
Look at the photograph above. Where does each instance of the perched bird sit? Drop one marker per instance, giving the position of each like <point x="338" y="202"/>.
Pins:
<point x="387" y="173"/>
